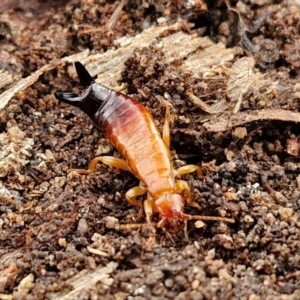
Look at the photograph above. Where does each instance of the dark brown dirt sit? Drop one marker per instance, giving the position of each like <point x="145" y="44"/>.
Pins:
<point x="50" y="222"/>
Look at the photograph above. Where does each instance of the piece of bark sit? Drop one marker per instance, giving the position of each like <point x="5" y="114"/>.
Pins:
<point x="242" y="118"/>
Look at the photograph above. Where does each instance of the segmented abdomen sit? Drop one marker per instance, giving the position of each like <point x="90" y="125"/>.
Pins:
<point x="131" y="129"/>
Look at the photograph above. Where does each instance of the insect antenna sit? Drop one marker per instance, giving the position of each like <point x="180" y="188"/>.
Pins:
<point x="135" y="226"/>
<point x="211" y="218"/>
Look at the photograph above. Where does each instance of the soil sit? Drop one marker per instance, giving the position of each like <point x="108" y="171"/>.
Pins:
<point x="231" y="73"/>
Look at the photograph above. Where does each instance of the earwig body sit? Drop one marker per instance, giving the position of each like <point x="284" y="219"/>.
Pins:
<point x="131" y="129"/>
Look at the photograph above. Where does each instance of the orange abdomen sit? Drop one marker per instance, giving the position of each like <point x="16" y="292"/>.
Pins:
<point x="131" y="129"/>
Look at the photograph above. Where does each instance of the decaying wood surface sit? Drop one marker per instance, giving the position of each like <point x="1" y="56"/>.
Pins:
<point x="201" y="56"/>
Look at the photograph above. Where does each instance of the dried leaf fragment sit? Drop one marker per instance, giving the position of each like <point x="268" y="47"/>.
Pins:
<point x="14" y="149"/>
<point x="5" y="78"/>
<point x="243" y="78"/>
<point x="219" y="107"/>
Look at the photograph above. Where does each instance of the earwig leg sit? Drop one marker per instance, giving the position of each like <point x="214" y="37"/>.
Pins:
<point x="211" y="218"/>
<point x="166" y="128"/>
<point x="107" y="160"/>
<point x="186" y="230"/>
<point x="182" y="186"/>
<point x="148" y="210"/>
<point x="189" y="169"/>
<point x="134" y="192"/>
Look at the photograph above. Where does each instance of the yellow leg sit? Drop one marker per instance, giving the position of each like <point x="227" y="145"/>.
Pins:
<point x="107" y="160"/>
<point x="166" y="129"/>
<point x="148" y="210"/>
<point x="189" y="169"/>
<point x="133" y="193"/>
<point x="182" y="186"/>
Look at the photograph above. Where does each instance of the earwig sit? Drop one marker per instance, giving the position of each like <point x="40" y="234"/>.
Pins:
<point x="131" y="129"/>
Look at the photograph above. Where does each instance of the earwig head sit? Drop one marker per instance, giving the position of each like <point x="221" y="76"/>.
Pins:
<point x="170" y="209"/>
<point x="92" y="99"/>
<point x="169" y="206"/>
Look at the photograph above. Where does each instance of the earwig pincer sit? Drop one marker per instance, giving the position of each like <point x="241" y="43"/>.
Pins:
<point x="131" y="129"/>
